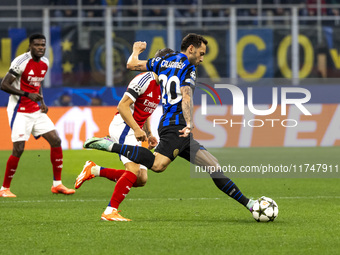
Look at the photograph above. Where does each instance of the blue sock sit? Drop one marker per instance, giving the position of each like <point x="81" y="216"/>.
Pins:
<point x="229" y="187"/>
<point x="137" y="154"/>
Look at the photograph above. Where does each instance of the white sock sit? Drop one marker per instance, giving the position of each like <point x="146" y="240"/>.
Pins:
<point x="3" y="188"/>
<point x="110" y="147"/>
<point x="250" y="203"/>
<point x="95" y="170"/>
<point x="56" y="183"/>
<point x="109" y="210"/>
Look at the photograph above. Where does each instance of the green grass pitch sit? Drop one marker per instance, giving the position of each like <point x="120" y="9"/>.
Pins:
<point x="174" y="213"/>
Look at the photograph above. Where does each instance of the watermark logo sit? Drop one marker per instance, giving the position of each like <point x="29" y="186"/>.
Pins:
<point x="204" y="96"/>
<point x="239" y="104"/>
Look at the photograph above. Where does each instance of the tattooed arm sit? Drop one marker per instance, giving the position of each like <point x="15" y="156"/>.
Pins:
<point x="133" y="62"/>
<point x="187" y="108"/>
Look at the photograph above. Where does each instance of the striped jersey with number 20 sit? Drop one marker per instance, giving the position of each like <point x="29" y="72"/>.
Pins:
<point x="174" y="71"/>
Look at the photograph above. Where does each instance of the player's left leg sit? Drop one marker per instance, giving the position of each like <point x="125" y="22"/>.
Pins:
<point x="226" y="185"/>
<point x="56" y="157"/>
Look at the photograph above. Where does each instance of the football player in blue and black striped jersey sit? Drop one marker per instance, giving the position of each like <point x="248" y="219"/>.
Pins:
<point x="177" y="75"/>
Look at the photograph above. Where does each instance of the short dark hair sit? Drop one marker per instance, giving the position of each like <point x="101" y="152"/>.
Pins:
<point x="192" y="39"/>
<point x="36" y="36"/>
<point x="163" y="52"/>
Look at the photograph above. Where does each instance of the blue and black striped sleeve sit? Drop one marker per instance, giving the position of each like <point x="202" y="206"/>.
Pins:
<point x="189" y="77"/>
<point x="153" y="64"/>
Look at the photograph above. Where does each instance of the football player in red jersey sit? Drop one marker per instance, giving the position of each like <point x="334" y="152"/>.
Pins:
<point x="134" y="109"/>
<point x="26" y="116"/>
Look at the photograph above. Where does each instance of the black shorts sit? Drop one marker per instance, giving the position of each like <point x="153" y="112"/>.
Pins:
<point x="171" y="145"/>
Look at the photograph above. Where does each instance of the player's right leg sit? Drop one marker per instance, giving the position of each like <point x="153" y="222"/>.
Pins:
<point x="11" y="167"/>
<point x="21" y="126"/>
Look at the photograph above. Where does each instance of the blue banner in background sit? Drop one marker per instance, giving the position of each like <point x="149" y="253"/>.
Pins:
<point x="56" y="66"/>
<point x="17" y="35"/>
<point x="255" y="54"/>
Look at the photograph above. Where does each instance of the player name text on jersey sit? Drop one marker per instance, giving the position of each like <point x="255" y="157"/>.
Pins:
<point x="172" y="64"/>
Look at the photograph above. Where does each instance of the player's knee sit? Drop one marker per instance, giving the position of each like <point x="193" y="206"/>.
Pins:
<point x="18" y="150"/>
<point x="142" y="179"/>
<point x="158" y="167"/>
<point x="56" y="142"/>
<point x="141" y="182"/>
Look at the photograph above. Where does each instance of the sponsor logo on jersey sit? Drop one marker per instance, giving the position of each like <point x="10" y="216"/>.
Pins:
<point x="35" y="81"/>
<point x="172" y="64"/>
<point x="150" y="104"/>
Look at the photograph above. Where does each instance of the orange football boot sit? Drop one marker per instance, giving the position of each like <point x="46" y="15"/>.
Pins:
<point x="61" y="189"/>
<point x="114" y="216"/>
<point x="85" y="174"/>
<point x="6" y="193"/>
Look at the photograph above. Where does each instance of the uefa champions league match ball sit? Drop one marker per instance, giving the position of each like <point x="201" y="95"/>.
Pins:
<point x="265" y="209"/>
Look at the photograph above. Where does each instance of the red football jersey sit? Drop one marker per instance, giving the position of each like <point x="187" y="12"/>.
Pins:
<point x="29" y="75"/>
<point x="146" y="94"/>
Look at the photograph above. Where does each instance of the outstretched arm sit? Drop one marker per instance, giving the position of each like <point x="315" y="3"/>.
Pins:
<point x="133" y="62"/>
<point x="187" y="108"/>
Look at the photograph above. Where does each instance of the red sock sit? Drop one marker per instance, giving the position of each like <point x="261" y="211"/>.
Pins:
<point x="122" y="188"/>
<point x="111" y="174"/>
<point x="11" y="167"/>
<point x="57" y="162"/>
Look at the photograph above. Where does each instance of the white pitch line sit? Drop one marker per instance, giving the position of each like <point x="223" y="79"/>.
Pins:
<point x="11" y="200"/>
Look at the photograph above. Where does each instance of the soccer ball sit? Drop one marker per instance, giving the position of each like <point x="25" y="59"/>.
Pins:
<point x="265" y="209"/>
